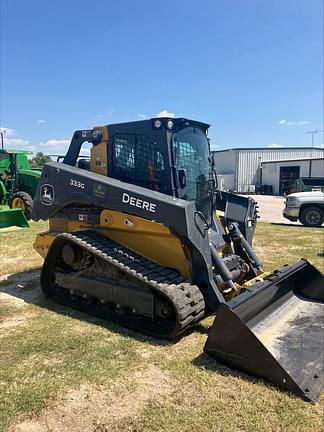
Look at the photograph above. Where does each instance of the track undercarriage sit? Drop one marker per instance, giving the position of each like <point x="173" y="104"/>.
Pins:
<point x="89" y="272"/>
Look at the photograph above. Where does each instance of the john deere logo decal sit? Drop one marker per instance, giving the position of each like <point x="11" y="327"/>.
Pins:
<point x="99" y="190"/>
<point x="47" y="194"/>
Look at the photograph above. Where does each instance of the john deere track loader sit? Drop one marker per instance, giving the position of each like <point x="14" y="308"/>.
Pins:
<point x="139" y="235"/>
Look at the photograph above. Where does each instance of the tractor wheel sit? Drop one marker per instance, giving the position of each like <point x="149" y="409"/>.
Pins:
<point x="24" y="201"/>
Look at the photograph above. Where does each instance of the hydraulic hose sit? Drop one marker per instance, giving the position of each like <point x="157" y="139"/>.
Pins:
<point x="221" y="267"/>
<point x="238" y="237"/>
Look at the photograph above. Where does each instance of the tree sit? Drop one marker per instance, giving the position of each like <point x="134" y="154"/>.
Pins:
<point x="39" y="160"/>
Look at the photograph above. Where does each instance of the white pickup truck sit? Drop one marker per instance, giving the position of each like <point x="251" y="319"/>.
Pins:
<point x="307" y="207"/>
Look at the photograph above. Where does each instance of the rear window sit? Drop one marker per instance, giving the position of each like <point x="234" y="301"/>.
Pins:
<point x="313" y="181"/>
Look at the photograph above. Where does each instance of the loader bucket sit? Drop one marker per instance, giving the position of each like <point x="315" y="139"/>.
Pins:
<point x="275" y="330"/>
<point x="12" y="217"/>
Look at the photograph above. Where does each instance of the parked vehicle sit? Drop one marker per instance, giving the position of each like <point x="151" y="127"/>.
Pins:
<point x="307" y="207"/>
<point x="18" y="181"/>
<point x="309" y="184"/>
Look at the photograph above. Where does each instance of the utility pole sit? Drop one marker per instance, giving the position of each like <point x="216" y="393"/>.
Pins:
<point x="314" y="132"/>
<point x="2" y="133"/>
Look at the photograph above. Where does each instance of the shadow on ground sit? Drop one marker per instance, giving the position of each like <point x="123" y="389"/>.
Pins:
<point x="26" y="287"/>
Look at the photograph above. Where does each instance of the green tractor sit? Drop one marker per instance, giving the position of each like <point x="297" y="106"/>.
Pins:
<point x="18" y="182"/>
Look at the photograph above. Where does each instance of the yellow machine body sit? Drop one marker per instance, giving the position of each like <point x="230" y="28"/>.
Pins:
<point x="148" y="238"/>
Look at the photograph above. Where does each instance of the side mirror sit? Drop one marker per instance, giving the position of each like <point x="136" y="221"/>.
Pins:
<point x="182" y="177"/>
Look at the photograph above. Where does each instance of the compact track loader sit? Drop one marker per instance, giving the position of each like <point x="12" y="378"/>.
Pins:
<point x="140" y="235"/>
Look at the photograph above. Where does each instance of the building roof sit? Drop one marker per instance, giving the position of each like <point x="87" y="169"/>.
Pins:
<point x="269" y="149"/>
<point x="292" y="160"/>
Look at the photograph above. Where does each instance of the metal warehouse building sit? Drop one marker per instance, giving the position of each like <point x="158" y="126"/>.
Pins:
<point x="271" y="169"/>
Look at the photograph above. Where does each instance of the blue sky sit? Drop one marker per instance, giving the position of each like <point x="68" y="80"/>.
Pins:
<point x="252" y="69"/>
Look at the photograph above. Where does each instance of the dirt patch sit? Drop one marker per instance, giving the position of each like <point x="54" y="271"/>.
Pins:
<point x="145" y="353"/>
<point x="90" y="408"/>
<point x="14" y="322"/>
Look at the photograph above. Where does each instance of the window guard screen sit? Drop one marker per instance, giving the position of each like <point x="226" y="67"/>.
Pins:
<point x="137" y="160"/>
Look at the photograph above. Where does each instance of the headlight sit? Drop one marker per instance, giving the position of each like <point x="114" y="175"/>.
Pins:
<point x="170" y="124"/>
<point x="290" y="201"/>
<point x="157" y="124"/>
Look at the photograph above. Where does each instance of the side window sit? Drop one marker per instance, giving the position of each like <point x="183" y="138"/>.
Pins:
<point x="124" y="148"/>
<point x="186" y="157"/>
<point x="137" y="160"/>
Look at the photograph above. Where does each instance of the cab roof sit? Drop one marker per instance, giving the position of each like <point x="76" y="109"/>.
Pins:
<point x="177" y="120"/>
<point x="10" y="151"/>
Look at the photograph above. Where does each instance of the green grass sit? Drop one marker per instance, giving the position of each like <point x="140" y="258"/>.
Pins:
<point x="16" y="245"/>
<point x="51" y="353"/>
<point x="277" y="245"/>
<point x="124" y="381"/>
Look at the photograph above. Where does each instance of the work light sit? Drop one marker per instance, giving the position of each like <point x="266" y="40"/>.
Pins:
<point x="170" y="124"/>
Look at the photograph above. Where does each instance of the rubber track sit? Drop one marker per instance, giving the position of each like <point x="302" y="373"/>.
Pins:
<point x="186" y="299"/>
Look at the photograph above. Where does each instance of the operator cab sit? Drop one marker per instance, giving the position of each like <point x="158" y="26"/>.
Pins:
<point x="168" y="155"/>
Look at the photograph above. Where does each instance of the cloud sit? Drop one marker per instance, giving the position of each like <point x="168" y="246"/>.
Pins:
<point x="54" y="146"/>
<point x="110" y="111"/>
<point x="274" y="145"/>
<point x="60" y="146"/>
<point x="142" y="116"/>
<point x="15" y="142"/>
<point x="18" y="144"/>
<point x="41" y="121"/>
<point x="11" y="141"/>
<point x="292" y="123"/>
<point x="55" y="143"/>
<point x="165" y="113"/>
<point x="214" y="147"/>
<point x="8" y="132"/>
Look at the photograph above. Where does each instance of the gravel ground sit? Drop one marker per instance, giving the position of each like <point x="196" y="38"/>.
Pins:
<point x="270" y="209"/>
